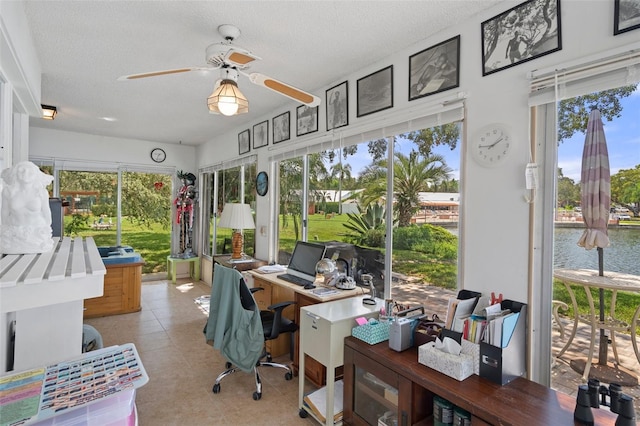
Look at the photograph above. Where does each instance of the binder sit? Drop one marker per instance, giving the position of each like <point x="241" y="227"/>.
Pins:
<point x="503" y="364"/>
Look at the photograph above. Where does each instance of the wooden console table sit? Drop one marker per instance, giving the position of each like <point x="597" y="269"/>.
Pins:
<point x="519" y="402"/>
<point x="122" y="291"/>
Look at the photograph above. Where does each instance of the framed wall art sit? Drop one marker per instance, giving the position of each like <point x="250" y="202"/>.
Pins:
<point x="260" y="134"/>
<point x="244" y="142"/>
<point x="435" y="69"/>
<point x="282" y="127"/>
<point x="375" y="92"/>
<point x="306" y="120"/>
<point x="337" y="102"/>
<point x="522" y="33"/>
<point x="626" y="16"/>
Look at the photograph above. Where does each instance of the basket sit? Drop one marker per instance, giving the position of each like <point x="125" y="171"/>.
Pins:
<point x="372" y="333"/>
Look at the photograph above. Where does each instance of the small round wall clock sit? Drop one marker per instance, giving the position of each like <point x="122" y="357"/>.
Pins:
<point x="262" y="183"/>
<point x="158" y="155"/>
<point x="491" y="146"/>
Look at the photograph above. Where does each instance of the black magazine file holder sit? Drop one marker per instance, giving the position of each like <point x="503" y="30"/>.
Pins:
<point x="502" y="365"/>
<point x="462" y="295"/>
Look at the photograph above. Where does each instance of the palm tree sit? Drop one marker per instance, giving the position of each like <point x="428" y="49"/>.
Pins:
<point x="414" y="174"/>
<point x="340" y="171"/>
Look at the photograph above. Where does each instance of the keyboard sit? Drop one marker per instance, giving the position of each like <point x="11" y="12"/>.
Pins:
<point x="294" y="279"/>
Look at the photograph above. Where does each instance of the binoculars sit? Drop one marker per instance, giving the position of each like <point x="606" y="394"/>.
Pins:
<point x="593" y="395"/>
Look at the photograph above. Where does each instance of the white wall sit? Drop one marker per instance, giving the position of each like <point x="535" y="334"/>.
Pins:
<point x="58" y="145"/>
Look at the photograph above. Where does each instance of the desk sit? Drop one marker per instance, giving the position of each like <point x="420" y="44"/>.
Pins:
<point x="194" y="267"/>
<point x="277" y="290"/>
<point x="613" y="281"/>
<point x="244" y="264"/>
<point x="46" y="291"/>
<point x="323" y="328"/>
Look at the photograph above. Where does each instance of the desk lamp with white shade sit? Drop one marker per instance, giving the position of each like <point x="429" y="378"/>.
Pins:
<point x="237" y="217"/>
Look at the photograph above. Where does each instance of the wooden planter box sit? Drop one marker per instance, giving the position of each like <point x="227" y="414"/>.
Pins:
<point x="122" y="286"/>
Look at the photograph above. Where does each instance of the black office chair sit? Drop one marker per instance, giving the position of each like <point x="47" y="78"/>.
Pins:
<point x="272" y="321"/>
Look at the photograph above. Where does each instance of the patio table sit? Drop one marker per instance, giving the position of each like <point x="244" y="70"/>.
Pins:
<point x="614" y="281"/>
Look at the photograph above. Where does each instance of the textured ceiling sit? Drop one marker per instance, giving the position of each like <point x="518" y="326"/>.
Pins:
<point x="84" y="46"/>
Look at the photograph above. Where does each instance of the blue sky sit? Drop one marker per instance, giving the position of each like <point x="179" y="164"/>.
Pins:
<point x="623" y="141"/>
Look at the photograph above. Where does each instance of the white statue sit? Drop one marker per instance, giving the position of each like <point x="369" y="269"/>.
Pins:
<point x="25" y="225"/>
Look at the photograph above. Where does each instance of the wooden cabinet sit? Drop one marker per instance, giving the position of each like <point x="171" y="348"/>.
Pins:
<point x="270" y="295"/>
<point x="377" y="390"/>
<point x="372" y="372"/>
<point x="121" y="295"/>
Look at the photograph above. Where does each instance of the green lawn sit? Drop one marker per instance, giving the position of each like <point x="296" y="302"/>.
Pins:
<point x="154" y="243"/>
<point x="439" y="273"/>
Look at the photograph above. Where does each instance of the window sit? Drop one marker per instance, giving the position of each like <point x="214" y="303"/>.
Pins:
<point x="340" y="194"/>
<point x="548" y="87"/>
<point x="234" y="183"/>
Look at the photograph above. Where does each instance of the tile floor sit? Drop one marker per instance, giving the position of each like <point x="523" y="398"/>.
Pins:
<point x="182" y="368"/>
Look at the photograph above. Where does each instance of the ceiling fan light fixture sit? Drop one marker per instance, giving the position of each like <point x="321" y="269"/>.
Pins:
<point x="227" y="99"/>
<point x="49" y="112"/>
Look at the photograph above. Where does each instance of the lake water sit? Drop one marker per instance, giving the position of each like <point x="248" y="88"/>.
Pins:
<point x="623" y="255"/>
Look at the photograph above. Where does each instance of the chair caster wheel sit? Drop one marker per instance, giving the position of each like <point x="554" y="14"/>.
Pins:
<point x="228" y="365"/>
<point x="303" y="413"/>
<point x="288" y="375"/>
<point x="257" y="396"/>
<point x="216" y="388"/>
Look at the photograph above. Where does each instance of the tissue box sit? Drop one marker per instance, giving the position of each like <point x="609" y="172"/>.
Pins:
<point x="472" y="349"/>
<point x="457" y="366"/>
<point x="372" y="333"/>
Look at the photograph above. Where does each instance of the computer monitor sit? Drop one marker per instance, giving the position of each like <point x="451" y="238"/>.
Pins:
<point x="304" y="258"/>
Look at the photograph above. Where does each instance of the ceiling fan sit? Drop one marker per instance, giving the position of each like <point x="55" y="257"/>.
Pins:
<point x="233" y="60"/>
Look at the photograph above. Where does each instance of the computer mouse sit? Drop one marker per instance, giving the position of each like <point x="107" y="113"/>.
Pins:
<point x="309" y="286"/>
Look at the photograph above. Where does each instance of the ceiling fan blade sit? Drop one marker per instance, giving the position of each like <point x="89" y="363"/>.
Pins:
<point x="284" y="89"/>
<point x="165" y="72"/>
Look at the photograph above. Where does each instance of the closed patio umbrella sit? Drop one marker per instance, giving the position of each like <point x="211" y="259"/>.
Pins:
<point x="595" y="188"/>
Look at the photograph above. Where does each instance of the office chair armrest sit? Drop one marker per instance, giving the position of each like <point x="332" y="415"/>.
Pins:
<point x="280" y="306"/>
<point x="277" y="309"/>
<point x="255" y="289"/>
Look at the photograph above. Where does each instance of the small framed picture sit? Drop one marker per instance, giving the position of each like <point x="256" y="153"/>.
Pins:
<point x="435" y="69"/>
<point x="282" y="127"/>
<point x="244" y="142"/>
<point x="626" y="16"/>
<point x="522" y="33"/>
<point x="260" y="134"/>
<point x="306" y="120"/>
<point x="375" y="92"/>
<point x="337" y="106"/>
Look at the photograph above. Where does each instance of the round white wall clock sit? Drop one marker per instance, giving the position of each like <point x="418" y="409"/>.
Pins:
<point x="158" y="155"/>
<point x="491" y="145"/>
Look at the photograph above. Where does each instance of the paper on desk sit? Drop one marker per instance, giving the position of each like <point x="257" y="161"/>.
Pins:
<point x="270" y="269"/>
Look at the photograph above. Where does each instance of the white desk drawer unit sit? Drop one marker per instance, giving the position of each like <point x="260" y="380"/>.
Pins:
<point x="323" y="327"/>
